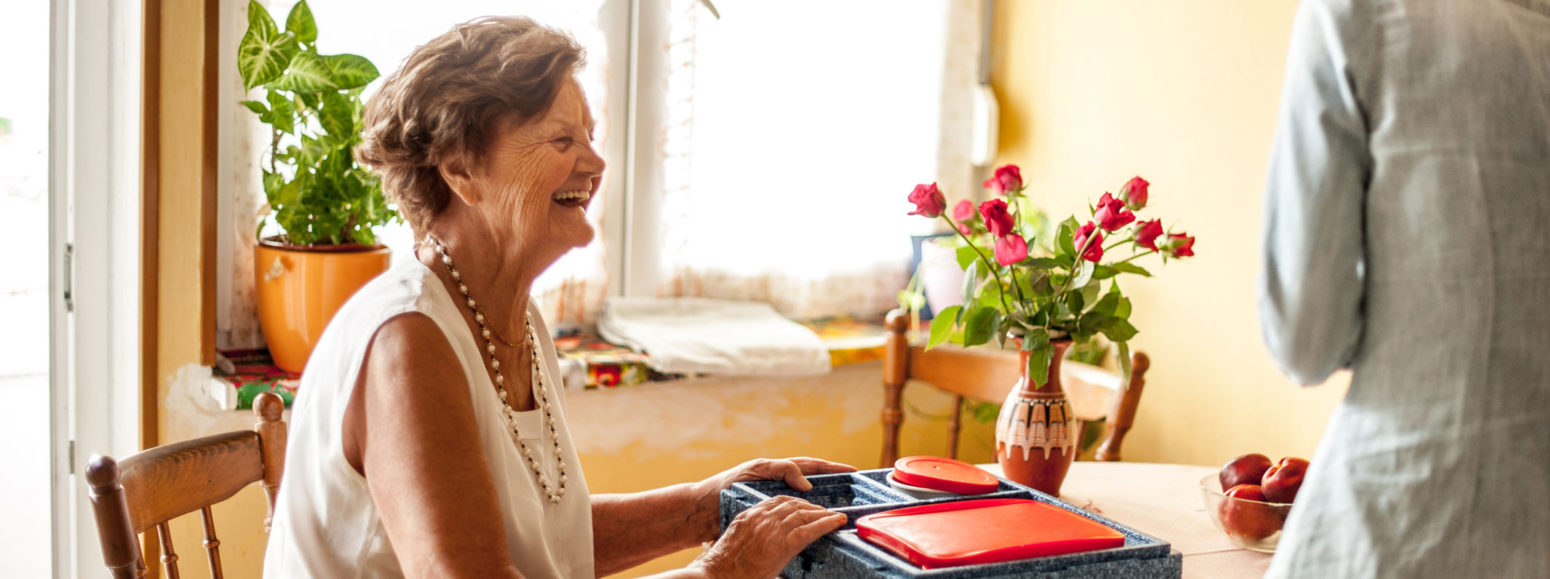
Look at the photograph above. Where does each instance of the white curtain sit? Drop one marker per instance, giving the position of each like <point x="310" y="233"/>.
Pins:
<point x="794" y="131"/>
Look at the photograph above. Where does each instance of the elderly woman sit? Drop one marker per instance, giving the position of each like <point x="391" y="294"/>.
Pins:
<point x="430" y="437"/>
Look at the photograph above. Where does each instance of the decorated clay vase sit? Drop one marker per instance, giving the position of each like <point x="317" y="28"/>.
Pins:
<point x="1037" y="433"/>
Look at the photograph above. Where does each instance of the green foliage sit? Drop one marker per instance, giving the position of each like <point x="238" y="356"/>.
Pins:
<point x="1054" y="292"/>
<point x="312" y="104"/>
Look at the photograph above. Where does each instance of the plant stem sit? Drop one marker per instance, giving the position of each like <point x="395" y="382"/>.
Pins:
<point x="983" y="259"/>
<point x="1120" y="242"/>
<point x="1066" y="285"/>
<point x="1017" y="227"/>
<point x="1133" y="257"/>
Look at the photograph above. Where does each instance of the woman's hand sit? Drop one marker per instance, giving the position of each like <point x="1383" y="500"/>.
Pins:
<point x="630" y="529"/>
<point x="762" y="539"/>
<point x="791" y="470"/>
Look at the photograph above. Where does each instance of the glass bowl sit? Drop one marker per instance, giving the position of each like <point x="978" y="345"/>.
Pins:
<point x="1253" y="525"/>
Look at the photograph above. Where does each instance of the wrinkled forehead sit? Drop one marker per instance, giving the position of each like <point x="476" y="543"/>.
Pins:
<point x="568" y="111"/>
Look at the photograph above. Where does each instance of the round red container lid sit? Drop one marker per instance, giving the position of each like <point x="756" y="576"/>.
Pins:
<point x="944" y="474"/>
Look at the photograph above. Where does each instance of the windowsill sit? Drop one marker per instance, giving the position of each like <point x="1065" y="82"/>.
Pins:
<point x="587" y="363"/>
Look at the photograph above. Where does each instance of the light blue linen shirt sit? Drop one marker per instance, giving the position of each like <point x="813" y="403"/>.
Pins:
<point x="1407" y="236"/>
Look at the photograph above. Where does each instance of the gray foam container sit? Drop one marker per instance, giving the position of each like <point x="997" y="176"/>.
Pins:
<point x="844" y="554"/>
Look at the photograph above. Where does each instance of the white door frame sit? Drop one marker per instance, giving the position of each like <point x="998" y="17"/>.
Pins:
<point x="94" y="267"/>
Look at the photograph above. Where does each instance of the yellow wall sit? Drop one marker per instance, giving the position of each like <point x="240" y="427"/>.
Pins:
<point x="658" y="434"/>
<point x="1184" y="93"/>
<point x="180" y="321"/>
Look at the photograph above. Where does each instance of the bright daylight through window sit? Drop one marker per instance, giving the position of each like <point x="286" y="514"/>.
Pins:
<point x="769" y="169"/>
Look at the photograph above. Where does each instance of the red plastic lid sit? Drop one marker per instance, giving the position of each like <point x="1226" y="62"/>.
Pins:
<point x="984" y="531"/>
<point x="944" y="474"/>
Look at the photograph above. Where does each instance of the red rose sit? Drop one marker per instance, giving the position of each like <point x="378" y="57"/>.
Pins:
<point x="928" y="200"/>
<point x="1007" y="179"/>
<point x="1148" y="232"/>
<point x="1134" y="193"/>
<point x="1179" y="245"/>
<point x="963" y="211"/>
<point x="1011" y="249"/>
<point x="1111" y="213"/>
<point x="1095" y="251"/>
<point x="997" y="220"/>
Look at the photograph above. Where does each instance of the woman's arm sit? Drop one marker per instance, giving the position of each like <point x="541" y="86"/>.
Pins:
<point x="1311" y="288"/>
<point x="630" y="529"/>
<point x="410" y="429"/>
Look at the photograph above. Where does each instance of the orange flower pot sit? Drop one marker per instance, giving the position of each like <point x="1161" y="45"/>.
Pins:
<point x="300" y="289"/>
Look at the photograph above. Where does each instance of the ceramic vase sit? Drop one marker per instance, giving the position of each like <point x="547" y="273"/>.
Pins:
<point x="1037" y="433"/>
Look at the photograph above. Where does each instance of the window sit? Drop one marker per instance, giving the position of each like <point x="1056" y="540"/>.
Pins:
<point x="764" y="155"/>
<point x="791" y="132"/>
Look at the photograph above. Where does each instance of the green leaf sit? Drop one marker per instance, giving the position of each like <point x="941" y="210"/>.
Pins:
<point x="350" y="71"/>
<point x="986" y="411"/>
<point x="1075" y="302"/>
<point x="1119" y="330"/>
<point x="272" y="184"/>
<point x="300" y="23"/>
<point x="966" y="255"/>
<point x="980" y="327"/>
<point x="1122" y="310"/>
<point x="1103" y="272"/>
<point x="1083" y="273"/>
<point x="283" y="118"/>
<point x="1090" y="293"/>
<point x="307" y="73"/>
<point x="1046" y="262"/>
<point x="1038" y="366"/>
<point x="970" y="281"/>
<point x="1124" y="362"/>
<point x="942" y="326"/>
<point x="337" y="116"/>
<point x="258" y="108"/>
<point x="1035" y="339"/>
<point x="264" y="52"/>
<point x="1041" y="285"/>
<point x="1127" y="267"/>
<point x="1108" y="304"/>
<point x="1065" y="236"/>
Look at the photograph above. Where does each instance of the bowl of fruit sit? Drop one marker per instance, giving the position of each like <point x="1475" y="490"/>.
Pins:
<point x="1251" y="497"/>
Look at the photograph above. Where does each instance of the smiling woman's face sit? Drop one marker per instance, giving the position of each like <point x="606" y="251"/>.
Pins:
<point x="537" y="178"/>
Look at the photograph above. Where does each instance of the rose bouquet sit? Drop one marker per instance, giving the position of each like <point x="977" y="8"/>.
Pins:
<point x="1023" y="280"/>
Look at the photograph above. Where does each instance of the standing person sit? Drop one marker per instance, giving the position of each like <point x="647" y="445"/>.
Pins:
<point x="1405" y="219"/>
<point x="429" y="436"/>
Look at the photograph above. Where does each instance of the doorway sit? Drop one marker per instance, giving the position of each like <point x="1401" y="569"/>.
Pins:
<point x="24" y="304"/>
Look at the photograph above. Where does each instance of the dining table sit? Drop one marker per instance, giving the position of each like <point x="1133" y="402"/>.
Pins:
<point x="1164" y="501"/>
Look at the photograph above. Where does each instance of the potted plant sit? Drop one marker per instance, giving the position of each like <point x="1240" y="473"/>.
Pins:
<point x="1044" y="290"/>
<point x="324" y="204"/>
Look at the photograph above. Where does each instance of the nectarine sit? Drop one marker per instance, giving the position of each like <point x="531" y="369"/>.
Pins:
<point x="1283" y="480"/>
<point x="1248" y="469"/>
<point x="1249" y="522"/>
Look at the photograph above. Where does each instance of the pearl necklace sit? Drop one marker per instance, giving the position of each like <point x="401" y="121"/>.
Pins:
<point x="509" y="413"/>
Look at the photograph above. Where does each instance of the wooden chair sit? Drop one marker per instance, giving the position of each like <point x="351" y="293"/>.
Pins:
<point x="153" y="486"/>
<point x="985" y="375"/>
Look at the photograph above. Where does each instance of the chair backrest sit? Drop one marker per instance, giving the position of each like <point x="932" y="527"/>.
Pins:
<point x="985" y="375"/>
<point x="153" y="486"/>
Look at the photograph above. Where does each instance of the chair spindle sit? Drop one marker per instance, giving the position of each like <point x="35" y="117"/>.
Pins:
<point x="169" y="558"/>
<point x="212" y="544"/>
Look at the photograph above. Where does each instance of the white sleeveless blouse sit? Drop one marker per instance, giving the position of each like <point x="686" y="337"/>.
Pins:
<point x="326" y="524"/>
